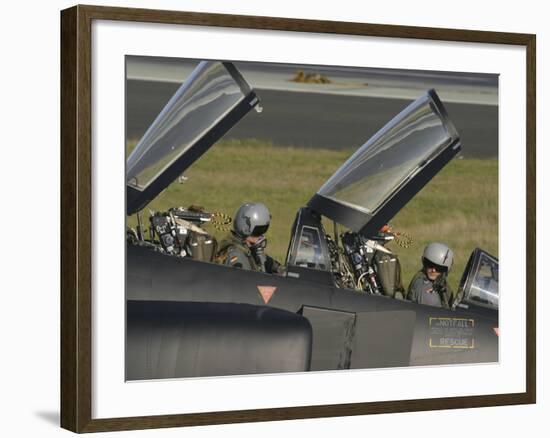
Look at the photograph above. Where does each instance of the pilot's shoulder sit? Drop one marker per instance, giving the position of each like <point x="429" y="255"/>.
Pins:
<point x="417" y="284"/>
<point x="235" y="257"/>
<point x="418" y="278"/>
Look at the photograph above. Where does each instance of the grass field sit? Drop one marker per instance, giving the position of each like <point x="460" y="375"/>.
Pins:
<point x="459" y="206"/>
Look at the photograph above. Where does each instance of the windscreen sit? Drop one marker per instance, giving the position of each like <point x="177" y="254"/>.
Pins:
<point x="399" y="150"/>
<point x="484" y="287"/>
<point x="210" y="92"/>
<point x="310" y="252"/>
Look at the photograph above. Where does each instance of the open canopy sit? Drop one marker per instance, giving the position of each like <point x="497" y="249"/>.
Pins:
<point x="390" y="168"/>
<point x="212" y="99"/>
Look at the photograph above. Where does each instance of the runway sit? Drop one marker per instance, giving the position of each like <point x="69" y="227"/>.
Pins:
<point x="330" y="121"/>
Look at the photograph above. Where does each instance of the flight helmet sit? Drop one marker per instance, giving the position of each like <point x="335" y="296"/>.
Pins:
<point x="439" y="254"/>
<point x="251" y="219"/>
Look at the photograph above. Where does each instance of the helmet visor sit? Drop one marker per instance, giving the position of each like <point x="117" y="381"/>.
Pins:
<point x="428" y="264"/>
<point x="259" y="230"/>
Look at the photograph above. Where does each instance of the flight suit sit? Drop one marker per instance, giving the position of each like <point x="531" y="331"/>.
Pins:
<point x="436" y="293"/>
<point x="235" y="252"/>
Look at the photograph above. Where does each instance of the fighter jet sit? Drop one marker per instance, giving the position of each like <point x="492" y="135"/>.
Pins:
<point x="335" y="307"/>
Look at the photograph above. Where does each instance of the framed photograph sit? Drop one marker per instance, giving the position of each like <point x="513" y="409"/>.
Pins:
<point x="302" y="218"/>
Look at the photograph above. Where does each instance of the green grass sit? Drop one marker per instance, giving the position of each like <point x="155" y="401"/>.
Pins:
<point x="459" y="206"/>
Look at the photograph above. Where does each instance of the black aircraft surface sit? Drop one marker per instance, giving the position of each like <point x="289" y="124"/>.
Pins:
<point x="335" y="307"/>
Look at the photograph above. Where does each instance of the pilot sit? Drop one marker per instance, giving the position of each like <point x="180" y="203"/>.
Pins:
<point x="245" y="245"/>
<point x="429" y="285"/>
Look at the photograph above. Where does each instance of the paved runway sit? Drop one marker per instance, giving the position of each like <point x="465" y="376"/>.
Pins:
<point x="454" y="86"/>
<point x="305" y="119"/>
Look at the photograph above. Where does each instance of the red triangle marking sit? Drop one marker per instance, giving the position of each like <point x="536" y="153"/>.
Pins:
<point x="266" y="292"/>
<point x="497" y="331"/>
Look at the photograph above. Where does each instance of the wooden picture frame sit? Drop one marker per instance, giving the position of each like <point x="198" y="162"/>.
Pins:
<point x="76" y="217"/>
